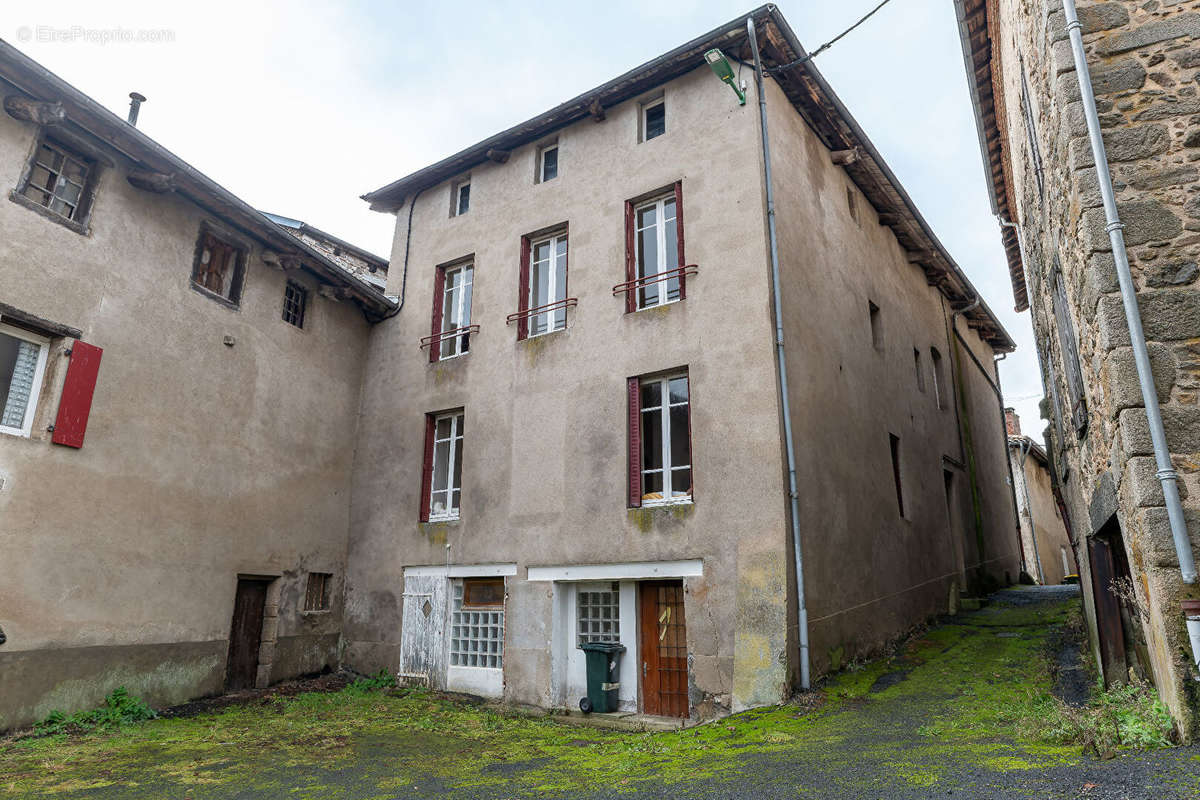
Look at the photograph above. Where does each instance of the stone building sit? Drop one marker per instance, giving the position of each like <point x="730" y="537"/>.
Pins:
<point x="597" y="403"/>
<point x="179" y="379"/>
<point x="1144" y="61"/>
<point x="350" y="257"/>
<point x="1045" y="541"/>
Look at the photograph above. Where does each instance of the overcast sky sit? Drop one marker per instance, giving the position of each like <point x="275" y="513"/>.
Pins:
<point x="300" y="107"/>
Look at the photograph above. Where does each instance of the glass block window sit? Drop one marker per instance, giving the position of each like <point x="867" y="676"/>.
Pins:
<point x="476" y="631"/>
<point x="599" y="610"/>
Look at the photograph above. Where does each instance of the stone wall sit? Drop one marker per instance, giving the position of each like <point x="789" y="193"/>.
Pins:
<point x="1145" y="62"/>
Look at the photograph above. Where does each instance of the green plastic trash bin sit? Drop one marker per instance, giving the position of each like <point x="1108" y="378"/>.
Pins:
<point x="603" y="672"/>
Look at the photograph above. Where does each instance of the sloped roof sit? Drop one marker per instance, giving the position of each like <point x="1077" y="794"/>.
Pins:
<point x="812" y="98"/>
<point x="976" y="20"/>
<point x="85" y="115"/>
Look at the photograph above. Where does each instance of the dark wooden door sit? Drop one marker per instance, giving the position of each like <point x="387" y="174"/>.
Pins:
<point x="1108" y="612"/>
<point x="663" y="648"/>
<point x="245" y="634"/>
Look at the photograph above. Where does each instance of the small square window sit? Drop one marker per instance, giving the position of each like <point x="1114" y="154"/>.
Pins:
<point x="22" y="366"/>
<point x="460" y="199"/>
<point x="654" y="119"/>
<point x="219" y="267"/>
<point x="61" y="180"/>
<point x="316" y="598"/>
<point x="598" y="608"/>
<point x="548" y="163"/>
<point x="295" y="299"/>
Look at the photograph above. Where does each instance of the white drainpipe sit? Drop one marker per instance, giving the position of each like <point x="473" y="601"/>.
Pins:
<point x="1141" y="356"/>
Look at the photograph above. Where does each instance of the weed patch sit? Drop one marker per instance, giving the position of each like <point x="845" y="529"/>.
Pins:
<point x="120" y="708"/>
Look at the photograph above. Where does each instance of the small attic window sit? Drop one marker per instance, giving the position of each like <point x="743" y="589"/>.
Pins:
<point x="852" y="203"/>
<point x="653" y="118"/>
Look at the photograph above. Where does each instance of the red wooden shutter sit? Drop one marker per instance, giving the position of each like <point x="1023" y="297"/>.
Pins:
<point x="439" y="287"/>
<point x="691" y="444"/>
<point x="630" y="258"/>
<point x="523" y="288"/>
<point x="427" y="467"/>
<point x="635" y="443"/>
<point x="679" y="236"/>
<point x="76" y="402"/>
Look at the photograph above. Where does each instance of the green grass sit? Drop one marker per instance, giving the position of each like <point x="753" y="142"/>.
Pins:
<point x="968" y="697"/>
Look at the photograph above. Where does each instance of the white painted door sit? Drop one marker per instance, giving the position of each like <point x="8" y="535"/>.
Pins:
<point x="423" y="635"/>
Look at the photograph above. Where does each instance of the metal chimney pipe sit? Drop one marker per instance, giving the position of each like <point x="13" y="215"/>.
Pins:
<point x="135" y="104"/>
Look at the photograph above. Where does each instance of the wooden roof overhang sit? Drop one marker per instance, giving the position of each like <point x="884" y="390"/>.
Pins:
<point x="154" y="168"/>
<point x="812" y="98"/>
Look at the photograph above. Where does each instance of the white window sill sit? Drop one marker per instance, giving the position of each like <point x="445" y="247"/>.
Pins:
<point x="310" y="611"/>
<point x="660" y="305"/>
<point x="444" y="518"/>
<point x="684" y="501"/>
<point x="546" y="333"/>
<point x="442" y="358"/>
<point x="20" y="434"/>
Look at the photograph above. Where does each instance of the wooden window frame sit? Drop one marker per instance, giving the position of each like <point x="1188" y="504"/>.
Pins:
<point x="461" y="342"/>
<point x="637" y="468"/>
<point x="633" y="296"/>
<point x="39" y="376"/>
<point x="316" y="602"/>
<point x="454" y="458"/>
<point x="80" y="220"/>
<point x="209" y="236"/>
<point x="474" y="586"/>
<point x="1068" y="351"/>
<point x="294" y="316"/>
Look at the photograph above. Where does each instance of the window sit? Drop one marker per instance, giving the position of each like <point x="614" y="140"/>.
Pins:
<point x="295" y="298"/>
<point x="1035" y="155"/>
<point x="852" y="204"/>
<point x="548" y="163"/>
<point x="460" y="198"/>
<point x="1069" y="352"/>
<point x="59" y="180"/>
<point x="316" y="598"/>
<point x="452" y="311"/>
<point x="654" y="119"/>
<point x="939" y="377"/>
<point x="546" y="284"/>
<point x="894" y="441"/>
<point x="657" y="251"/>
<point x="22" y="366"/>
<point x="660" y="439"/>
<point x="876" y="326"/>
<point x="219" y="267"/>
<point x="920" y="370"/>
<point x="477" y="623"/>
<point x="442" y="473"/>
<point x="598" y="608"/>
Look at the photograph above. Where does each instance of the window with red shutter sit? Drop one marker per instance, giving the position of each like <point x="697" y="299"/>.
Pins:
<point x="655" y="269"/>
<point x="427" y="467"/>
<point x="666" y="441"/>
<point x="435" y="329"/>
<point x="78" y="388"/>
<point x="635" y="443"/>
<point x="523" y="291"/>
<point x="444" y="457"/>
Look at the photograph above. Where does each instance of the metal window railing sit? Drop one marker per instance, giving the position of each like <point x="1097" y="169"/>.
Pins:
<point x="438" y="338"/>
<point x="639" y="283"/>
<point x="569" y="302"/>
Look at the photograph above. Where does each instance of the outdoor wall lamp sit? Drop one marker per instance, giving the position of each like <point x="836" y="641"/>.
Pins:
<point x="723" y="70"/>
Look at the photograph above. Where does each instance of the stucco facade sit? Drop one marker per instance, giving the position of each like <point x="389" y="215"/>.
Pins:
<point x="1049" y="555"/>
<point x="544" y="471"/>
<point x="1142" y="59"/>
<point x="218" y="444"/>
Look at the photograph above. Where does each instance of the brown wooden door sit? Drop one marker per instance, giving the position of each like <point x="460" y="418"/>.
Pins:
<point x="1108" y="612"/>
<point x="663" y="648"/>
<point x="245" y="634"/>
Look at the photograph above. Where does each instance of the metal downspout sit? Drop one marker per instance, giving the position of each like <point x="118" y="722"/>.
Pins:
<point x="793" y="493"/>
<point x="1137" y="337"/>
<point x="1026" y="445"/>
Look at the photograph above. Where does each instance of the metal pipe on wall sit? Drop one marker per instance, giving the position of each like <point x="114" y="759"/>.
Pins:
<point x="773" y="246"/>
<point x="1137" y="337"/>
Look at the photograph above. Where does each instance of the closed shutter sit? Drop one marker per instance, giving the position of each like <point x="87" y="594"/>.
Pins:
<point x="1070" y="352"/>
<point x="439" y="287"/>
<point x="523" y="288"/>
<point x="76" y="403"/>
<point x="427" y="467"/>
<point x="630" y="259"/>
<point x="679" y="237"/>
<point x="635" y="443"/>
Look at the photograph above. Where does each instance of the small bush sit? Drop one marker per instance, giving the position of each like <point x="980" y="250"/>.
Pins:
<point x="373" y="683"/>
<point x="1125" y="717"/>
<point x="120" y="708"/>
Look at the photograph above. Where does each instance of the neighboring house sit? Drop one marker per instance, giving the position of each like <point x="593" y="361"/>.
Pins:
<point x="1142" y="58"/>
<point x="194" y="541"/>
<point x="352" y="258"/>
<point x="573" y="431"/>
<point x="1045" y="541"/>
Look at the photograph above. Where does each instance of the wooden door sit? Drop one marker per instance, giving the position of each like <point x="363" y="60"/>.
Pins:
<point x="245" y="634"/>
<point x="1108" y="612"/>
<point x="663" y="648"/>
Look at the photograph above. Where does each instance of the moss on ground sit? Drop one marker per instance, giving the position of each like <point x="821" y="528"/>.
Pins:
<point x="963" y="698"/>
